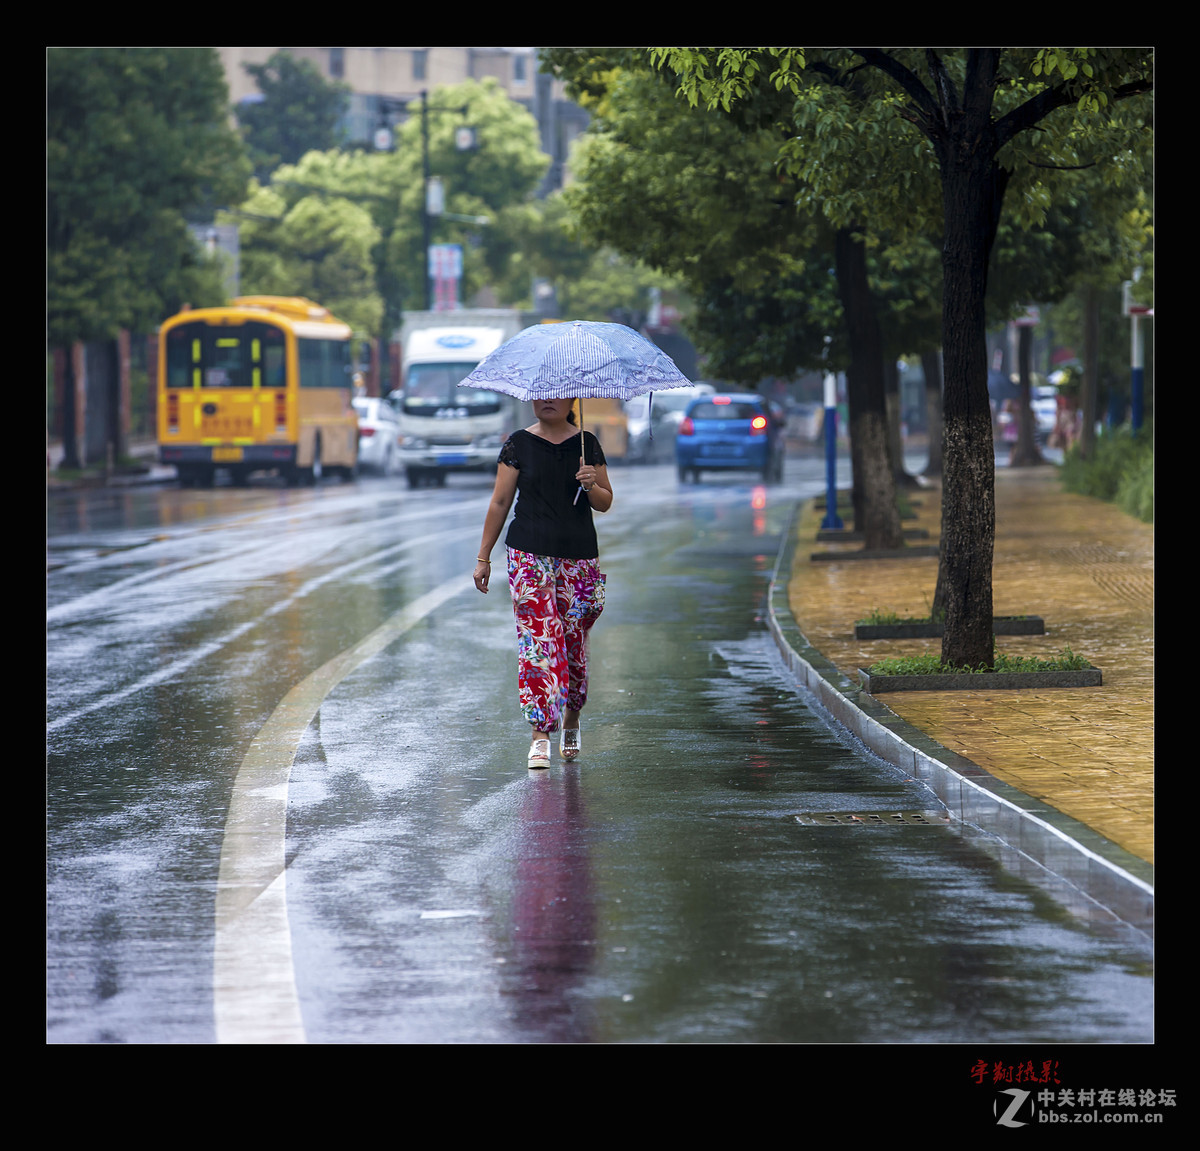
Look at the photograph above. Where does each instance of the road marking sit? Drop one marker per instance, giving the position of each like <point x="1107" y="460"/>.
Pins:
<point x="254" y="984"/>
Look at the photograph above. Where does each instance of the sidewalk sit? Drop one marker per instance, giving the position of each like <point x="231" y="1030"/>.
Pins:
<point x="144" y="469"/>
<point x="1082" y="565"/>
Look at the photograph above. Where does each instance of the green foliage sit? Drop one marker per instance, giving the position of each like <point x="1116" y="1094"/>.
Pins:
<point x="359" y="235"/>
<point x="879" y="618"/>
<point x="317" y="246"/>
<point x="298" y="113"/>
<point x="1121" y="471"/>
<point x="930" y="663"/>
<point x="137" y="145"/>
<point x="698" y="199"/>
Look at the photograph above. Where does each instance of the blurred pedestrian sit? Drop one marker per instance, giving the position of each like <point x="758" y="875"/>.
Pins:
<point x="558" y="477"/>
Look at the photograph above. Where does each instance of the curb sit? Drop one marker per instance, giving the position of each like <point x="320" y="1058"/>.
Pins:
<point x="1083" y="868"/>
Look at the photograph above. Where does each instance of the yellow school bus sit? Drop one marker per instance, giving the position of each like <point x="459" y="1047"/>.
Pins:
<point x="606" y="420"/>
<point x="262" y="384"/>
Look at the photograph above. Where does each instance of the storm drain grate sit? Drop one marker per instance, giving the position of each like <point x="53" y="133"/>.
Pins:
<point x="872" y="818"/>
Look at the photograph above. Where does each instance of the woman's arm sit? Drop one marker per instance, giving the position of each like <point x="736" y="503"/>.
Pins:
<point x="503" y="493"/>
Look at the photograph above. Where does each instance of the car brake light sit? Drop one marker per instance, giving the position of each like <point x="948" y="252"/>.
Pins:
<point x="721" y="400"/>
<point x="758" y="425"/>
<point x="366" y="431"/>
<point x="686" y="427"/>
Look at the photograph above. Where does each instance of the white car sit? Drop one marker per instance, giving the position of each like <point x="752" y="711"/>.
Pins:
<point x="1044" y="402"/>
<point x="668" y="408"/>
<point x="377" y="431"/>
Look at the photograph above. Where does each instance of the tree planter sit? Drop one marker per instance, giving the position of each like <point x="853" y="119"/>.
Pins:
<point x="927" y="629"/>
<point x="980" y="681"/>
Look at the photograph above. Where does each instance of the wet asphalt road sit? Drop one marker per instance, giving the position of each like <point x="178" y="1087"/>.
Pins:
<point x="239" y="680"/>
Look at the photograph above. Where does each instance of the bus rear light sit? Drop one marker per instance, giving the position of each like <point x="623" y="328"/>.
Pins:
<point x="280" y="413"/>
<point x="173" y="412"/>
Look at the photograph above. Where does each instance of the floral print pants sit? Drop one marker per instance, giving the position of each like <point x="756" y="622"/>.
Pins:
<point x="556" y="601"/>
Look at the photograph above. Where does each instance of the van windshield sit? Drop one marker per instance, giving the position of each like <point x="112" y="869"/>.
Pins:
<point x="431" y="387"/>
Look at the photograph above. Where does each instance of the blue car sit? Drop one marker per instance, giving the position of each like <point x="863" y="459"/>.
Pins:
<point x="735" y="430"/>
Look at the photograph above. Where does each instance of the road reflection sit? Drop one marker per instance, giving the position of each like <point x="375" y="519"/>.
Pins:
<point x="554" y="912"/>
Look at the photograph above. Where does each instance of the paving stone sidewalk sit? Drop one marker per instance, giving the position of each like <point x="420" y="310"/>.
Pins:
<point x="1084" y="566"/>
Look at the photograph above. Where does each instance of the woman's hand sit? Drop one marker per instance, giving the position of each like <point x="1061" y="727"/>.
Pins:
<point x="586" y="475"/>
<point x="596" y="485"/>
<point x="483" y="571"/>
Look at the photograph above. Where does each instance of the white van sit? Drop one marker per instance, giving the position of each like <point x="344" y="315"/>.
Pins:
<point x="445" y="428"/>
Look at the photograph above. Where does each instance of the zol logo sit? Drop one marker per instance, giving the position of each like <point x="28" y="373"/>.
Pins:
<point x="1009" y="1118"/>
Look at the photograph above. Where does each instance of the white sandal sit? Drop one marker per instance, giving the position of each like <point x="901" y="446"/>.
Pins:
<point x="539" y="753"/>
<point x="569" y="745"/>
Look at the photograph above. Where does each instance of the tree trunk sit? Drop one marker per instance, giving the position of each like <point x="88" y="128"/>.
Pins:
<point x="972" y="190"/>
<point x="932" y="367"/>
<point x="1025" y="451"/>
<point x="874" y="479"/>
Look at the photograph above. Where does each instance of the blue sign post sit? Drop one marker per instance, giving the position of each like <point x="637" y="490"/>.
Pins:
<point x="1136" y="313"/>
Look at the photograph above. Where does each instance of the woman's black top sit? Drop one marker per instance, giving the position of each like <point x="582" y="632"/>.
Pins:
<point x="546" y="522"/>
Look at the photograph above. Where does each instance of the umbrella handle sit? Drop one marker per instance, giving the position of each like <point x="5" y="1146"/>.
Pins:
<point x="582" y="450"/>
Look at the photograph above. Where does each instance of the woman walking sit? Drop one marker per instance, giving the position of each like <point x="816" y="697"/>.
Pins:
<point x="558" y="477"/>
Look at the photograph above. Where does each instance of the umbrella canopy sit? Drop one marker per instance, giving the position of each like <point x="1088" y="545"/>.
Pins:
<point x="579" y="359"/>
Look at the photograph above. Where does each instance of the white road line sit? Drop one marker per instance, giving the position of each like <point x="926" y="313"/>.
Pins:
<point x="254" y="985"/>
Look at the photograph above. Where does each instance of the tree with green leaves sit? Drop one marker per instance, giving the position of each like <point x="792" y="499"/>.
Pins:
<point x="704" y="199"/>
<point x="137" y="145"/>
<point x="383" y="197"/>
<point x="536" y="242"/>
<point x="313" y="245"/>
<point x="297" y="112"/>
<point x="977" y="122"/>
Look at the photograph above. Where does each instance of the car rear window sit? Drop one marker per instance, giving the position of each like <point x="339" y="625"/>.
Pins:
<point x="729" y="411"/>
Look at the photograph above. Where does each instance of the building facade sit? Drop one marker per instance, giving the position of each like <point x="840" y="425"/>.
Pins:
<point x="383" y="81"/>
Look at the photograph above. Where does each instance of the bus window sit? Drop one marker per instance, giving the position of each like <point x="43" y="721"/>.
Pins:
<point x="212" y="356"/>
<point x="325" y="364"/>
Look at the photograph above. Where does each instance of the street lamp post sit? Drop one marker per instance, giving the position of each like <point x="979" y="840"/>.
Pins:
<point x="463" y="141"/>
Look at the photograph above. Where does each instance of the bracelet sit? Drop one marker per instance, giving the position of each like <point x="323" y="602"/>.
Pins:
<point x="480" y="559"/>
